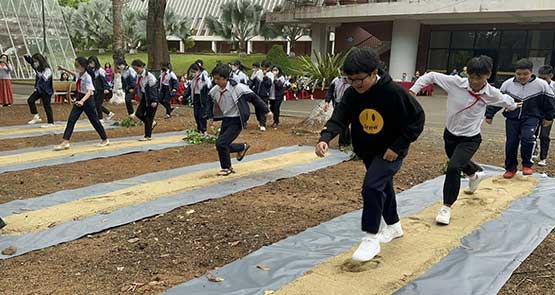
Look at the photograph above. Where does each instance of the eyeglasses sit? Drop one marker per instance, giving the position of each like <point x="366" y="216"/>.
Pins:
<point x="356" y="81"/>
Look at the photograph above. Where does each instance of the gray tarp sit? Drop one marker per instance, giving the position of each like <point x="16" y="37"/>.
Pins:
<point x="38" y="131"/>
<point x="75" y="229"/>
<point x="102" y="153"/>
<point x="503" y="243"/>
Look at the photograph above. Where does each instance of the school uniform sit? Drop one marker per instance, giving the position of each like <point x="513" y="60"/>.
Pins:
<point x="129" y="79"/>
<point x="263" y="88"/>
<point x="465" y="114"/>
<point x="545" y="133"/>
<point x="168" y="88"/>
<point x="239" y="77"/>
<point x="335" y="93"/>
<point x="43" y="91"/>
<point x="230" y="105"/>
<point x="521" y="124"/>
<point x="147" y="89"/>
<point x="276" y="97"/>
<point x="84" y="84"/>
<point x="198" y="92"/>
<point x="100" y="85"/>
<point x="385" y="117"/>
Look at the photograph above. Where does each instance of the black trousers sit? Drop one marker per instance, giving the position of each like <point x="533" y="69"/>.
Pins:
<point x="523" y="132"/>
<point x="260" y="115"/>
<point x="231" y="128"/>
<point x="145" y="112"/>
<point x="378" y="193"/>
<point x="99" y="100"/>
<point x="199" y="110"/>
<point x="165" y="96"/>
<point x="90" y="110"/>
<point x="545" y="139"/>
<point x="129" y="102"/>
<point x="275" y="106"/>
<point x="46" y="103"/>
<point x="460" y="150"/>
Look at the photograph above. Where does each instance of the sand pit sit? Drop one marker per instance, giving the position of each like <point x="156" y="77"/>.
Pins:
<point x="423" y="245"/>
<point x="45" y="218"/>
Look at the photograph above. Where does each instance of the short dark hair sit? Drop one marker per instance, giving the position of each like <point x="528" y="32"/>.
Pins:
<point x="82" y="62"/>
<point x="138" y="63"/>
<point x="266" y="64"/>
<point x="545" y="70"/>
<point x="195" y="67"/>
<point x="121" y="62"/>
<point x="361" y="60"/>
<point x="222" y="70"/>
<point x="256" y="64"/>
<point x="199" y="62"/>
<point x="524" y="64"/>
<point x="480" y="65"/>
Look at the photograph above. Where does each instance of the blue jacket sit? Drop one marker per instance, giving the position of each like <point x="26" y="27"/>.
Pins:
<point x="42" y="86"/>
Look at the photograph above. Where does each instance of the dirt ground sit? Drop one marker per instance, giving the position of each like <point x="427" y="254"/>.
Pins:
<point x="176" y="246"/>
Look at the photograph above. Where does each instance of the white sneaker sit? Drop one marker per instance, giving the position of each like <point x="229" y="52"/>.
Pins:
<point x="132" y="116"/>
<point x="262" y="128"/>
<point x="61" y="147"/>
<point x="36" y="119"/>
<point x="47" y="125"/>
<point x="474" y="182"/>
<point x="110" y="116"/>
<point x="390" y="233"/>
<point x="103" y="144"/>
<point x="444" y="215"/>
<point x="542" y="163"/>
<point x="145" y="139"/>
<point x="101" y="121"/>
<point x="368" y="249"/>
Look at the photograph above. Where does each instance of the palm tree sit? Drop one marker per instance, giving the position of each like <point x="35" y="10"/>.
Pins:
<point x="117" y="17"/>
<point x="240" y="21"/>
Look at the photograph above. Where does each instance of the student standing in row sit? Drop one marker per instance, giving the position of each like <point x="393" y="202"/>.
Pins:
<point x="198" y="92"/>
<point x="230" y="105"/>
<point x="537" y="98"/>
<point x="168" y="88"/>
<point x="128" y="80"/>
<point x="238" y="73"/>
<point x="101" y="86"/>
<point x="467" y="100"/>
<point x="385" y="119"/>
<point x="335" y="93"/>
<point x="276" y="95"/>
<point x="147" y="89"/>
<point x="84" y="102"/>
<point x="43" y="89"/>
<point x="545" y="73"/>
<point x="6" y="91"/>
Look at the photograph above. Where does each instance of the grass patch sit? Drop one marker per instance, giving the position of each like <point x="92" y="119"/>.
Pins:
<point x="127" y="123"/>
<point x="194" y="137"/>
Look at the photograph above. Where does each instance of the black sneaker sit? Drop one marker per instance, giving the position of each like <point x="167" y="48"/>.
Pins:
<point x="241" y="155"/>
<point x="2" y="223"/>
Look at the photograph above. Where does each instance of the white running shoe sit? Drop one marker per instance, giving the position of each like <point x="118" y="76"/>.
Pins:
<point x="61" y="147"/>
<point x="36" y="119"/>
<point x="444" y="215"/>
<point x="262" y="128"/>
<point x="103" y="144"/>
<point x="542" y="163"/>
<point x="368" y="249"/>
<point x="145" y="139"/>
<point x="474" y="182"/>
<point x="47" y="125"/>
<point x="101" y="121"/>
<point x="390" y="233"/>
<point x="110" y="116"/>
<point x="132" y="116"/>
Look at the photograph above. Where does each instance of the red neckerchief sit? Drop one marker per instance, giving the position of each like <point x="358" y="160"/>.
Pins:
<point x="477" y="98"/>
<point x="78" y="87"/>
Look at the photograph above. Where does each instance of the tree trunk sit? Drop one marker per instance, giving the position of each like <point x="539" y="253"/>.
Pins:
<point x="117" y="7"/>
<point x="156" y="35"/>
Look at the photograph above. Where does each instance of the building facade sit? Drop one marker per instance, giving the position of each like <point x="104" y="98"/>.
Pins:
<point x="21" y="33"/>
<point x="438" y="35"/>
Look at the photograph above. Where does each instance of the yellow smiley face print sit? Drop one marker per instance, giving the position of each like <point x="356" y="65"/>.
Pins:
<point x="371" y="121"/>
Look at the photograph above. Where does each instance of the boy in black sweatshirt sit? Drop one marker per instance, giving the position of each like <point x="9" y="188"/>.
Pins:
<point x="384" y="120"/>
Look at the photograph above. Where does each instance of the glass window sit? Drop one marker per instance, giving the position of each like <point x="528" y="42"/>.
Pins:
<point x="437" y="60"/>
<point x="439" y="39"/>
<point x="507" y="59"/>
<point x="462" y="40"/>
<point x="458" y="59"/>
<point x="513" y="39"/>
<point x="540" y="39"/>
<point x="489" y="39"/>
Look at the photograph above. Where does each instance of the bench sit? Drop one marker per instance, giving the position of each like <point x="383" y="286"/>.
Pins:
<point x="63" y="91"/>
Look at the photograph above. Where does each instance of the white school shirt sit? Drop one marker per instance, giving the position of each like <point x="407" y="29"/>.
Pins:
<point x="167" y="76"/>
<point x="225" y="100"/>
<point x="86" y="82"/>
<point x="150" y="79"/>
<point x="464" y="118"/>
<point x="239" y="77"/>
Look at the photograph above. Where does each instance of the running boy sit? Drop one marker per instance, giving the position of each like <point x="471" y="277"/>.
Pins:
<point x="520" y="125"/>
<point x="230" y="105"/>
<point x="467" y="99"/>
<point x="545" y="73"/>
<point x="385" y="119"/>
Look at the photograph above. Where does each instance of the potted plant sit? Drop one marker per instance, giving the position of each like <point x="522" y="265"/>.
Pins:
<point x="320" y="71"/>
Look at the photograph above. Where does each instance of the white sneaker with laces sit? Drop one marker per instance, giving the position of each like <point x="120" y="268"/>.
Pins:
<point x="542" y="163"/>
<point x="103" y="144"/>
<point x="444" y="215"/>
<point x="36" y="119"/>
<point x="47" y="126"/>
<point x="61" y="147"/>
<point x="390" y="233"/>
<point x="474" y="182"/>
<point x="368" y="249"/>
<point x="262" y="128"/>
<point x="110" y="116"/>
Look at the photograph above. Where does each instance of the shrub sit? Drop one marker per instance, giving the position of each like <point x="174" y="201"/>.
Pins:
<point x="277" y="57"/>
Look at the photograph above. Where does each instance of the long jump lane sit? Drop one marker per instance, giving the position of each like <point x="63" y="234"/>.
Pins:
<point x="67" y="215"/>
<point x="21" y="131"/>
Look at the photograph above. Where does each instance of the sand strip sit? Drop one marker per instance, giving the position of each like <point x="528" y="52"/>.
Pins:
<point x="20" y="131"/>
